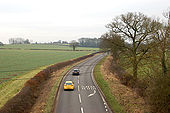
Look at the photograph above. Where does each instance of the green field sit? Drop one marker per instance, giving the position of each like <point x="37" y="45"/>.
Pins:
<point x="17" y="62"/>
<point x="44" y="46"/>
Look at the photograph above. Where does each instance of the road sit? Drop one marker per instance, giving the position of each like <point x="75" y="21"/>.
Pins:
<point x="86" y="97"/>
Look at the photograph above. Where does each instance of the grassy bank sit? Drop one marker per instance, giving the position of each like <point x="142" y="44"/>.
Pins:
<point x="114" y="105"/>
<point x="52" y="94"/>
<point x="27" y="97"/>
<point x="18" y="66"/>
<point x="13" y="86"/>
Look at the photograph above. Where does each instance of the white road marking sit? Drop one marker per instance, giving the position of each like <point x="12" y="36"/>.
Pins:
<point x="103" y="99"/>
<point x="91" y="87"/>
<point x="88" y="87"/>
<point x="78" y="79"/>
<point x="92" y="93"/>
<point x="78" y="88"/>
<point x="79" y="98"/>
<point x="82" y="87"/>
<point x="82" y="111"/>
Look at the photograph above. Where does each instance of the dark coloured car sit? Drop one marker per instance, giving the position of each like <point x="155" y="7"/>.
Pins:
<point x="76" y="72"/>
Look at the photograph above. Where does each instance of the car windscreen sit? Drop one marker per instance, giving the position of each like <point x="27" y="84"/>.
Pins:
<point x="68" y="83"/>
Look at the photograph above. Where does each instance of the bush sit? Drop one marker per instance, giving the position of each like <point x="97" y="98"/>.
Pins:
<point x="158" y="94"/>
<point x="127" y="79"/>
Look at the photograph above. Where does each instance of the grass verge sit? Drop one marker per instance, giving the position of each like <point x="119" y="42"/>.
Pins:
<point x="103" y="84"/>
<point x="10" y="88"/>
<point x="50" y="101"/>
<point x="51" y="98"/>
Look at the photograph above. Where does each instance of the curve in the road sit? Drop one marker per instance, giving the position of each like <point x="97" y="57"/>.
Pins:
<point x="86" y="97"/>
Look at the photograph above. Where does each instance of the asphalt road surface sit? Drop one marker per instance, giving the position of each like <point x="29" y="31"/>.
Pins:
<point x="86" y="97"/>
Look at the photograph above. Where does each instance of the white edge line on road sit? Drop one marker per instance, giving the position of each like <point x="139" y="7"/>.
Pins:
<point x="60" y="87"/>
<point x="62" y="80"/>
<point x="79" y="98"/>
<point x="99" y="90"/>
<point x="82" y="111"/>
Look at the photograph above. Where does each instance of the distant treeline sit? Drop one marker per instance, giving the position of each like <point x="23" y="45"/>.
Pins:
<point x="19" y="41"/>
<point x="82" y="42"/>
<point x="89" y="42"/>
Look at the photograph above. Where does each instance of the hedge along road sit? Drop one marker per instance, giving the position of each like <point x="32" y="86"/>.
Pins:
<point x="86" y="97"/>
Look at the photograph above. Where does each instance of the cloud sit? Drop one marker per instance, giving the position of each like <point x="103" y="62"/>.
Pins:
<point x="67" y="19"/>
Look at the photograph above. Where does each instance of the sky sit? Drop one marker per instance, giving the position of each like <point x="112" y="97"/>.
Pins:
<point x="53" y="20"/>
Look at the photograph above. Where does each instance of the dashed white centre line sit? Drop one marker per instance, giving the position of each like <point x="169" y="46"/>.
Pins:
<point x="78" y="88"/>
<point x="82" y="111"/>
<point x="78" y="79"/>
<point x="79" y="98"/>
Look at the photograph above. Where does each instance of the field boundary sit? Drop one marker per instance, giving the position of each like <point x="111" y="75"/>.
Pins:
<point x="26" y="98"/>
<point x="46" y="49"/>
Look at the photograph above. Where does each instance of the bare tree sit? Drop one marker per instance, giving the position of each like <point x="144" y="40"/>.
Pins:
<point x="137" y="30"/>
<point x="74" y="44"/>
<point x="112" y="42"/>
<point x="162" y="39"/>
<point x="1" y="44"/>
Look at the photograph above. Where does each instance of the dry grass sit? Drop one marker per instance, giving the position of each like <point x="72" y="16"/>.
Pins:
<point x="11" y="88"/>
<point x="44" y="103"/>
<point x="23" y="101"/>
<point x="132" y="102"/>
<point x="44" y="94"/>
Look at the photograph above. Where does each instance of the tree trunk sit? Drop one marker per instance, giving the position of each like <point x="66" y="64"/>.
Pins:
<point x="135" y="69"/>
<point x="163" y="62"/>
<point x="135" y="64"/>
<point x="163" y="57"/>
<point x="74" y="48"/>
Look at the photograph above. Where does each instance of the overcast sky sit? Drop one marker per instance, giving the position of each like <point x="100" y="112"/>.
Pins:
<point x="53" y="20"/>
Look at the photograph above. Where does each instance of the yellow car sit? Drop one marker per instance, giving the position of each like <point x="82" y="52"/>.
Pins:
<point x="69" y="85"/>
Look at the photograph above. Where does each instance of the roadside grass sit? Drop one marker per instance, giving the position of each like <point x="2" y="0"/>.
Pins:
<point x="103" y="84"/>
<point x="44" y="46"/>
<point x="18" y="66"/>
<point x="50" y="101"/>
<point x="12" y="87"/>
